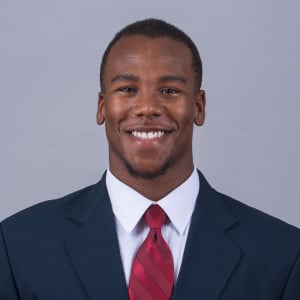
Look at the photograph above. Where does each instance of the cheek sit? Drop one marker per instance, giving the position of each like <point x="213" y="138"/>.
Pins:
<point x="115" y="111"/>
<point x="183" y="114"/>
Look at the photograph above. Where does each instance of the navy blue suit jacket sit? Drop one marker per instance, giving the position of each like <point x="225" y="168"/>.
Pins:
<point x="68" y="249"/>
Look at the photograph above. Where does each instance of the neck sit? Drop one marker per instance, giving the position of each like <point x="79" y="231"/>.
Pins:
<point x="155" y="188"/>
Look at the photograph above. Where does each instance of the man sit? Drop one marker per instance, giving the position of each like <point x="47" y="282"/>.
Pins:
<point x="94" y="243"/>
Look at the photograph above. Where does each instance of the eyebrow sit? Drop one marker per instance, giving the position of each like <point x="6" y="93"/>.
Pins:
<point x="125" y="77"/>
<point x="162" y="79"/>
<point x="172" y="78"/>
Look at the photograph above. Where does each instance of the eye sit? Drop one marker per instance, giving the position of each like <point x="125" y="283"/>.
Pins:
<point x="127" y="89"/>
<point x="169" y="91"/>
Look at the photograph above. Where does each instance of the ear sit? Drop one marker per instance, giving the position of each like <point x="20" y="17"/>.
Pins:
<point x="200" y="102"/>
<point x="100" y="109"/>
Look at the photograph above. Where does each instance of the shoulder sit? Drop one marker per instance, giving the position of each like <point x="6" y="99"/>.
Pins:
<point x="50" y="214"/>
<point x="244" y="217"/>
<point x="248" y="226"/>
<point x="250" y="216"/>
<point x="259" y="229"/>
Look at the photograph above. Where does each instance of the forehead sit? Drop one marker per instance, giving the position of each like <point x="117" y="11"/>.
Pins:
<point x="136" y="53"/>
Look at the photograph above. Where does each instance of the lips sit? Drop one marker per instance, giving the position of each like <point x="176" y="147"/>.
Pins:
<point x="148" y="135"/>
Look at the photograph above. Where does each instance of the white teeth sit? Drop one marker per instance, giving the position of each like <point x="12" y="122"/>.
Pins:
<point x="148" y="135"/>
<point x="151" y="135"/>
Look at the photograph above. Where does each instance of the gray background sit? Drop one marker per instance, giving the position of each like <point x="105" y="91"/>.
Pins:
<point x="50" y="52"/>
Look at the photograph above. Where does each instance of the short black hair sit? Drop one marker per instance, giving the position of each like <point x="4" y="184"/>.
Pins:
<point x="154" y="28"/>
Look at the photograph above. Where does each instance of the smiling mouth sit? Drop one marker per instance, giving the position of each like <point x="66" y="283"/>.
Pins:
<point x="148" y="135"/>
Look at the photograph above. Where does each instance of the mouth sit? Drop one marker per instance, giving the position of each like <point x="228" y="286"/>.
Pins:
<point x="148" y="135"/>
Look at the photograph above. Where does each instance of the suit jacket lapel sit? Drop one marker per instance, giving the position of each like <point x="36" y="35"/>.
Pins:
<point x="210" y="256"/>
<point x="94" y="248"/>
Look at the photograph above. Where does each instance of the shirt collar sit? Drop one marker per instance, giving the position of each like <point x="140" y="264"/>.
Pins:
<point x="178" y="204"/>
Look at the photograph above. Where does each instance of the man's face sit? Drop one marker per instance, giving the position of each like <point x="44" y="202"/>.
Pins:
<point x="149" y="104"/>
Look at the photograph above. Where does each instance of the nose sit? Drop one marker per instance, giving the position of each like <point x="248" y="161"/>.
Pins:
<point x="147" y="104"/>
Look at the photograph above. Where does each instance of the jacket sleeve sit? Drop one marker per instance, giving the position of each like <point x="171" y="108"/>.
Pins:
<point x="292" y="288"/>
<point x="8" y="289"/>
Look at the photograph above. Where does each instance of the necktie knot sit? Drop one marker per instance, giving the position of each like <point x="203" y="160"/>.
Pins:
<point x="155" y="217"/>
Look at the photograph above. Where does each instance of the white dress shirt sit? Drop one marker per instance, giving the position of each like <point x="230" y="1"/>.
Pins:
<point x="129" y="206"/>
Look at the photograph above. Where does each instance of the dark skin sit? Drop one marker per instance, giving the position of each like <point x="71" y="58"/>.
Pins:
<point x="150" y="103"/>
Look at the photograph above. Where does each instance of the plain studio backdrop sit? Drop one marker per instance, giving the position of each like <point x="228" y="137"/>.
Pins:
<point x="49" y="65"/>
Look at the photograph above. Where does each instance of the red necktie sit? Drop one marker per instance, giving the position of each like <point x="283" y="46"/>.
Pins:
<point x="152" y="274"/>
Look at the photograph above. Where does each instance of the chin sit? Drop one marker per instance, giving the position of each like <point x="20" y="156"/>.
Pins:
<point x="147" y="174"/>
